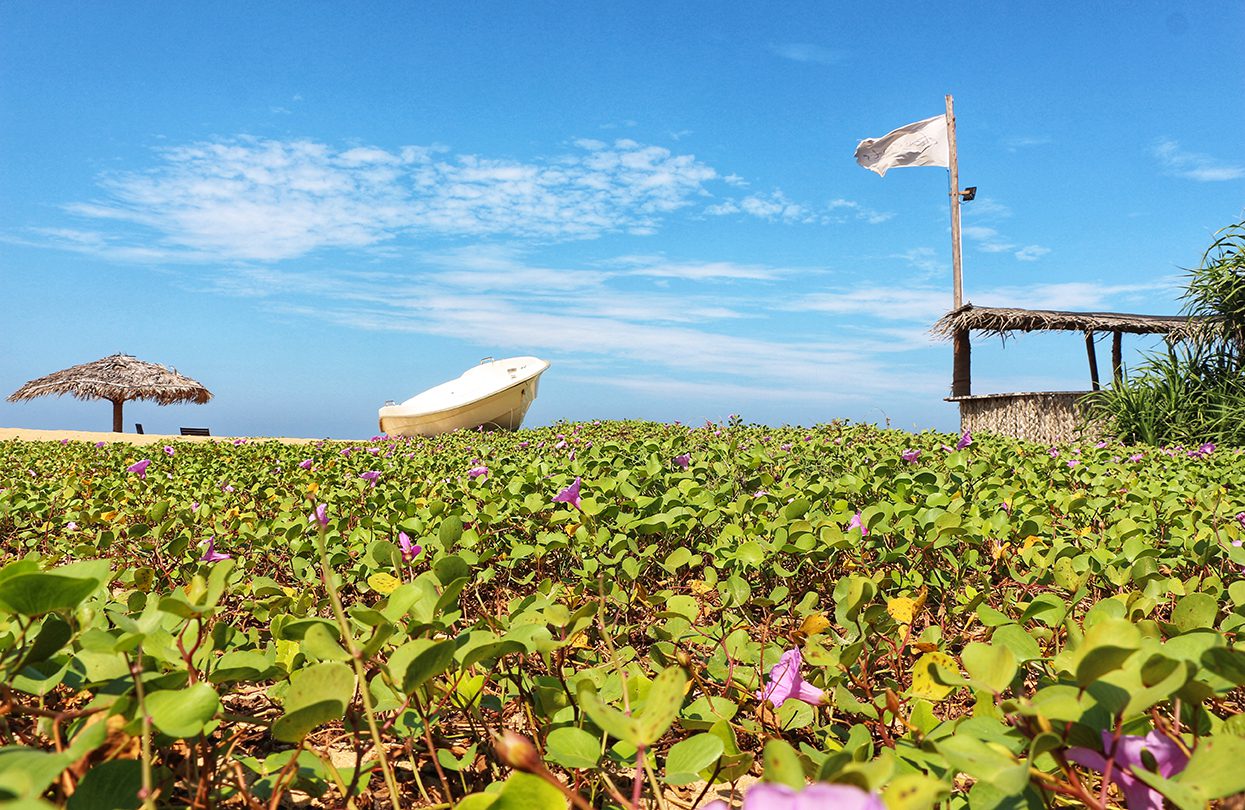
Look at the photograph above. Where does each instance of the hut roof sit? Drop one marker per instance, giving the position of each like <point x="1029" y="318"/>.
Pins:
<point x="119" y="377"/>
<point x="1003" y="321"/>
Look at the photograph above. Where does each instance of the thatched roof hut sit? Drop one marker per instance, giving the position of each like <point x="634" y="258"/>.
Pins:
<point x="1041" y="415"/>
<point x="117" y="378"/>
<point x="1003" y="321"/>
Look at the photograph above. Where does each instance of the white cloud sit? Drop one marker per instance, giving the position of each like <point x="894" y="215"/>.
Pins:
<point x="771" y="207"/>
<point x="1194" y="165"/>
<point x="808" y="53"/>
<point x="267" y="200"/>
<point x="862" y="213"/>
<point x="988" y="239"/>
<point x="1031" y="253"/>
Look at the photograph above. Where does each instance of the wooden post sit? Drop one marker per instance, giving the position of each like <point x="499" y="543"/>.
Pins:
<point x="962" y="365"/>
<point x="116" y="416"/>
<point x="957" y="280"/>
<point x="1117" y="357"/>
<point x="1093" y="360"/>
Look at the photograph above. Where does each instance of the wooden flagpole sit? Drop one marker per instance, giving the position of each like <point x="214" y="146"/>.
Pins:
<point x="961" y="372"/>
<point x="956" y="262"/>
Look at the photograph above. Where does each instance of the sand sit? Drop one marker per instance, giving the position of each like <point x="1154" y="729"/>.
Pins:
<point x="32" y="435"/>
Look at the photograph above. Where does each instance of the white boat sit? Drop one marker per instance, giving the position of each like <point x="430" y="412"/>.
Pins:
<point x="495" y="394"/>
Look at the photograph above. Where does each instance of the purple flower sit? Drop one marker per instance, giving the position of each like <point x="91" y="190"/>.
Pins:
<point x="71" y="526"/>
<point x="773" y="796"/>
<point x="212" y="555"/>
<point x="965" y="440"/>
<point x="140" y="467"/>
<point x="1054" y="452"/>
<point x="786" y="683"/>
<point x="476" y="472"/>
<point x="910" y="455"/>
<point x="683" y="460"/>
<point x="1126" y="755"/>
<point x="99" y="445"/>
<point x="1100" y="445"/>
<point x="409" y="550"/>
<point x="194" y="506"/>
<point x="305" y="464"/>
<point x="1072" y="463"/>
<point x="64" y="441"/>
<point x="856" y="524"/>
<point x="227" y="488"/>
<point x="321" y="515"/>
<point x="370" y="476"/>
<point x="1206" y="449"/>
<point x="524" y="445"/>
<point x="569" y="495"/>
<point x="168" y="449"/>
<point x="1136" y="457"/>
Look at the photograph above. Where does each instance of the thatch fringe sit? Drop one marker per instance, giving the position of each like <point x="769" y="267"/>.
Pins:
<point x="1045" y="417"/>
<point x="119" y="378"/>
<point x="1003" y="321"/>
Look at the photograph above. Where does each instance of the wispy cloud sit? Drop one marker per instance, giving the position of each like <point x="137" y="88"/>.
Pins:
<point x="1194" y="165"/>
<point x="1018" y="142"/>
<point x="266" y="200"/>
<point x="772" y="207"/>
<point x="808" y="53"/>
<point x="988" y="238"/>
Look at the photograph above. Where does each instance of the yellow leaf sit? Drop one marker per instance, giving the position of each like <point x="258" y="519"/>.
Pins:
<point x="814" y="624"/>
<point x="108" y="516"/>
<point x="571" y="528"/>
<point x="313" y="487"/>
<point x="901" y="609"/>
<point x="924" y="684"/>
<point x="699" y="586"/>
<point x="383" y="583"/>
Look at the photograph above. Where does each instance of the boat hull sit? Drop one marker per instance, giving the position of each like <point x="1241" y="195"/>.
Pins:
<point x="502" y="408"/>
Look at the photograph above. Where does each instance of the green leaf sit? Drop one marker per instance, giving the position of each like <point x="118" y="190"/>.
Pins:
<point x="1215" y="769"/>
<point x="523" y="791"/>
<point x="573" y="747"/>
<point x="985" y="762"/>
<point x="452" y="567"/>
<point x="687" y="758"/>
<point x="851" y="594"/>
<point x="183" y="712"/>
<point x="112" y="785"/>
<point x="607" y="718"/>
<point x="989" y="665"/>
<point x="416" y="662"/>
<point x="661" y="706"/>
<point x="914" y="791"/>
<point x="27" y="773"/>
<point x="1195" y="611"/>
<point x="317" y="694"/>
<point x="64" y="588"/>
<point x="782" y="765"/>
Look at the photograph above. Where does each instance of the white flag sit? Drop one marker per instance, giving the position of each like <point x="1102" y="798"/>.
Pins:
<point x="921" y="144"/>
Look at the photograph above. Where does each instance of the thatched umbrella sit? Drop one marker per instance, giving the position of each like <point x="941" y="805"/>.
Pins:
<point x="117" y="378"/>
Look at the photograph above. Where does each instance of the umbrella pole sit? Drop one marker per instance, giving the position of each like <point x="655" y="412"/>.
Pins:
<point x="116" y="416"/>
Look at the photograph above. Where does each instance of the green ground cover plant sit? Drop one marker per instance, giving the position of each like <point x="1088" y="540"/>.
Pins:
<point x="621" y="615"/>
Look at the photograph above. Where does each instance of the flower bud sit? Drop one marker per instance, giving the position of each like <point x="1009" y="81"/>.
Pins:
<point x="517" y="752"/>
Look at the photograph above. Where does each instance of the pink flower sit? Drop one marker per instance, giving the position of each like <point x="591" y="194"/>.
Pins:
<point x="409" y="550"/>
<point x="856" y="524"/>
<point x="212" y="555"/>
<point x="71" y="526"/>
<point x="321" y="515"/>
<point x="965" y="440"/>
<point x="168" y="449"/>
<point x="1136" y="457"/>
<point x="570" y="495"/>
<point x="227" y="488"/>
<point x="477" y="472"/>
<point x="1072" y="463"/>
<point x="774" y="796"/>
<point x="1126" y="756"/>
<point x="305" y="464"/>
<point x="786" y="683"/>
<point x="370" y="476"/>
<point x="99" y="445"/>
<point x="140" y="468"/>
<point x="683" y="460"/>
<point x="910" y="455"/>
<point x="64" y="441"/>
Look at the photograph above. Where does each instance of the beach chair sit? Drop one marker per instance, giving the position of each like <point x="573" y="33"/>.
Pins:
<point x="196" y="432"/>
<point x="138" y="427"/>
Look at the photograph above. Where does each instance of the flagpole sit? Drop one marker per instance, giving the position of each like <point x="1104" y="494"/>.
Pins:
<point x="961" y="368"/>
<point x="956" y="263"/>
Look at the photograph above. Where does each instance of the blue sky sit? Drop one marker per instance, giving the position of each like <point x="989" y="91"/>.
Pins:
<point x="315" y="207"/>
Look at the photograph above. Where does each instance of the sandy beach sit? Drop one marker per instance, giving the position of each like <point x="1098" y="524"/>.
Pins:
<point x="32" y="435"/>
